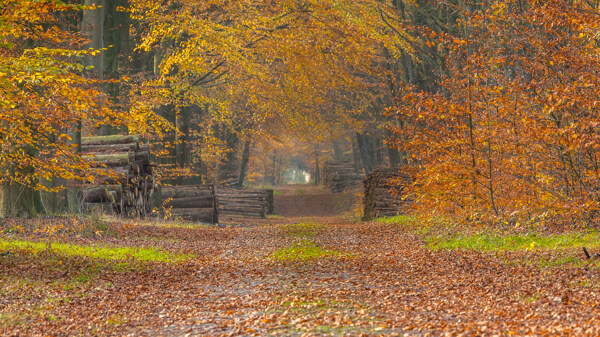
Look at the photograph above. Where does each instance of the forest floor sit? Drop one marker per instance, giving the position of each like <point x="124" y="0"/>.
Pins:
<point x="292" y="275"/>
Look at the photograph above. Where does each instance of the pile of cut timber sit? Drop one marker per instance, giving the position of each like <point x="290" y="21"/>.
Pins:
<point x="124" y="177"/>
<point x="339" y="176"/>
<point x="192" y="202"/>
<point x="246" y="203"/>
<point x="383" y="192"/>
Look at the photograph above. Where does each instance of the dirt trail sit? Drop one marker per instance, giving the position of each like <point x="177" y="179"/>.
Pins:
<point x="311" y="201"/>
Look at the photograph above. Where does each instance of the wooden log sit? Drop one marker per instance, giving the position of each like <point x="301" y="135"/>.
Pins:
<point x="101" y="193"/>
<point x="242" y="202"/>
<point x="191" y="202"/>
<point x="99" y="207"/>
<point x="110" y="148"/>
<point x="384" y="193"/>
<point x="231" y="207"/>
<point x="111" y="159"/>
<point x="249" y="195"/>
<point x="121" y="160"/>
<point x="244" y="214"/>
<point x="142" y="157"/>
<point x="169" y="193"/>
<point x="195" y="214"/>
<point x="108" y="140"/>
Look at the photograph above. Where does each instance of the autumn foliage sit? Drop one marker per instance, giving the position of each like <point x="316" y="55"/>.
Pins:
<point x="511" y="134"/>
<point x="48" y="97"/>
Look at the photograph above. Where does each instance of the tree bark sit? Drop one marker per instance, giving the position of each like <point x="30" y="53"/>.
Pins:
<point x="356" y="157"/>
<point x="317" y="169"/>
<point x="365" y="155"/>
<point x="182" y="121"/>
<point x="92" y="27"/>
<point x="16" y="200"/>
<point x="244" y="164"/>
<point x="116" y="38"/>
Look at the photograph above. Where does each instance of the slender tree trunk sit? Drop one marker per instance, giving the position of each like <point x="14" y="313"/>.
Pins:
<point x="244" y="164"/>
<point x="363" y="147"/>
<point x="182" y="122"/>
<point x="279" y="164"/>
<point x="74" y="193"/>
<point x="356" y="157"/>
<point x="92" y="27"/>
<point x="317" y="169"/>
<point x="4" y="199"/>
<point x="394" y="156"/>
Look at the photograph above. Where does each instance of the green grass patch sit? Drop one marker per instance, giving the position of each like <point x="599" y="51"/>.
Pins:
<point x="300" y="191"/>
<point x="11" y="319"/>
<point x="304" y="250"/>
<point x="274" y="216"/>
<point x="566" y="260"/>
<point x="301" y="230"/>
<point x="168" y="223"/>
<point x="143" y="254"/>
<point x="397" y="219"/>
<point x="499" y="242"/>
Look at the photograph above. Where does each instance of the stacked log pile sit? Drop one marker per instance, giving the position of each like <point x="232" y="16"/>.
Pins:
<point x="124" y="176"/>
<point x="383" y="193"/>
<point x="245" y="203"/>
<point x="192" y="202"/>
<point x="339" y="176"/>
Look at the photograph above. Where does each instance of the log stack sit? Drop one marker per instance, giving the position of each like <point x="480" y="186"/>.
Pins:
<point x="244" y="203"/>
<point x="340" y="176"/>
<point x="383" y="195"/>
<point x="124" y="176"/>
<point x="191" y="202"/>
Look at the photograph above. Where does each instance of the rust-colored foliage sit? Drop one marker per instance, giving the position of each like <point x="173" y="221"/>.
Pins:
<point x="512" y="132"/>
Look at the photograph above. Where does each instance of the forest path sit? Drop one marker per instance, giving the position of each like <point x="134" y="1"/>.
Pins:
<point x="307" y="278"/>
<point x="292" y="201"/>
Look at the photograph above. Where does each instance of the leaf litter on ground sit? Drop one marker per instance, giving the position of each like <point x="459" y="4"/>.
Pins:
<point x="394" y="284"/>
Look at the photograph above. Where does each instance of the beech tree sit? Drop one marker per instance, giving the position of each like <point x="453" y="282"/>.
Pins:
<point x="44" y="93"/>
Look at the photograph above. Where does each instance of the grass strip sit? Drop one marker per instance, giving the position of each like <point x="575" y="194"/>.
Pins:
<point x="144" y="254"/>
<point x="499" y="242"/>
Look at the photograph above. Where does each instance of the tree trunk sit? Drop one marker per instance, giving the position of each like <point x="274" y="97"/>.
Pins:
<point x="244" y="164"/>
<point x="364" y="149"/>
<point x="74" y="192"/>
<point x="182" y="121"/>
<point x="356" y="156"/>
<point x="317" y="169"/>
<point x="394" y="156"/>
<point x="116" y="37"/>
<point x="279" y="164"/>
<point x="92" y="27"/>
<point x="16" y="200"/>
